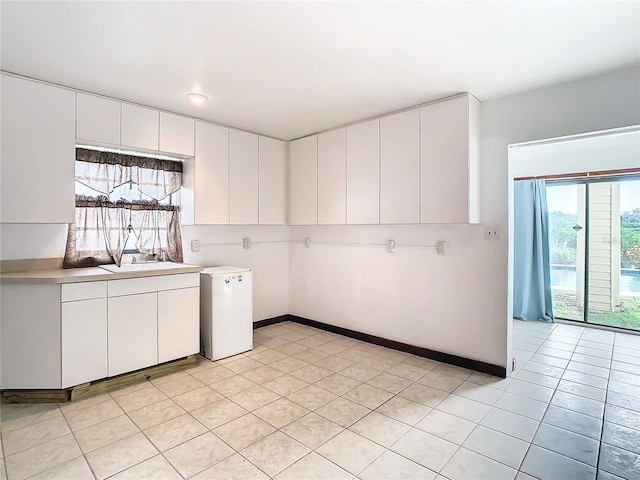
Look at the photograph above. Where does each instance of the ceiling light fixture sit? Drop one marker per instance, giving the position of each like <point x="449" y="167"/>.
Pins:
<point x="197" y="98"/>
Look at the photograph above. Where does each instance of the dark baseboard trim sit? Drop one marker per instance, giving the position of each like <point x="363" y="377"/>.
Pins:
<point x="271" y="321"/>
<point x="456" y="360"/>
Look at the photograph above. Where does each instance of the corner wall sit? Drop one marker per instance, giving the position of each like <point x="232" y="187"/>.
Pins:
<point x="460" y="303"/>
<point x="269" y="261"/>
<point x="415" y="296"/>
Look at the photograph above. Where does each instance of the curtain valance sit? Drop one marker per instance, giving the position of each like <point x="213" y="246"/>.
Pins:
<point x="105" y="171"/>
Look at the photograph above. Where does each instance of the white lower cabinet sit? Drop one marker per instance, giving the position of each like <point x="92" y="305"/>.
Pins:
<point x="59" y="336"/>
<point x="153" y="320"/>
<point x="178" y="323"/>
<point x="84" y="341"/>
<point x="133" y="332"/>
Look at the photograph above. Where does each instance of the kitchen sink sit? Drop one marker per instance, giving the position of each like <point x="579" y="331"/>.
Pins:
<point x="141" y="267"/>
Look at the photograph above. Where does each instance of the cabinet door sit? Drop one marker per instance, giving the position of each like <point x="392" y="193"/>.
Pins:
<point x="243" y="178"/>
<point x="363" y="173"/>
<point x="30" y="340"/>
<point x="139" y="127"/>
<point x="303" y="168"/>
<point x="272" y="182"/>
<point x="84" y="341"/>
<point x="445" y="161"/>
<point x="97" y="119"/>
<point x="37" y="157"/>
<point x="400" y="168"/>
<point x="178" y="323"/>
<point x="211" y="175"/>
<point x="133" y="332"/>
<point x="176" y="134"/>
<point x="332" y="177"/>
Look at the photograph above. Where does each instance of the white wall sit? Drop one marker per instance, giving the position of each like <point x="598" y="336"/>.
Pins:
<point x="269" y="262"/>
<point x="413" y="295"/>
<point x="607" y="150"/>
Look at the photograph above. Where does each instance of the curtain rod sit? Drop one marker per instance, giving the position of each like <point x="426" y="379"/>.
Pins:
<point x="583" y="175"/>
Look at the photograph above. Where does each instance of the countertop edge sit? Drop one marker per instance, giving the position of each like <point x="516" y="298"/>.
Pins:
<point x="90" y="274"/>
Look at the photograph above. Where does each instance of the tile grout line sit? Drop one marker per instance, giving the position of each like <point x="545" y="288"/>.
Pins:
<point x="599" y="440"/>
<point x="382" y="370"/>
<point x="84" y="456"/>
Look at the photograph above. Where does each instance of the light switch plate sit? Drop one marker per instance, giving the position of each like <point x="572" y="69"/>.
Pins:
<point x="195" y="245"/>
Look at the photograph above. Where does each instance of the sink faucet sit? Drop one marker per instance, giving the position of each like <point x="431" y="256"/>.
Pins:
<point x="149" y="257"/>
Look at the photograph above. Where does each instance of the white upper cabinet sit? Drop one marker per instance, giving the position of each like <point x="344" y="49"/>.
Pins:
<point x="363" y="173"/>
<point x="110" y="122"/>
<point x="400" y="167"/>
<point x="332" y="177"/>
<point x="450" y="177"/>
<point x="176" y="134"/>
<point x="97" y="119"/>
<point x="272" y="167"/>
<point x="211" y="175"/>
<point x="243" y="178"/>
<point x="236" y="178"/>
<point x="140" y="127"/>
<point x="37" y="153"/>
<point x="303" y="168"/>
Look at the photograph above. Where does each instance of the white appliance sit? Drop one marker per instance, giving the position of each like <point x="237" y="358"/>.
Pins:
<point x="226" y="311"/>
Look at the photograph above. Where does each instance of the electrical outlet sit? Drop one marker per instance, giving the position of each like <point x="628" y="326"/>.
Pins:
<point x="491" y="233"/>
<point x="442" y="248"/>
<point x="195" y="245"/>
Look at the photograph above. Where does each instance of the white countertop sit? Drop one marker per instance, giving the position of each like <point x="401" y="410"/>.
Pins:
<point x="92" y="274"/>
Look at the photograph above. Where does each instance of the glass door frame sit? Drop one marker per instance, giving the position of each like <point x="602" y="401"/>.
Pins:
<point x="586" y="181"/>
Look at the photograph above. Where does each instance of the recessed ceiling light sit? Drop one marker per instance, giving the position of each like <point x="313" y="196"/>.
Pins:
<point x="197" y="98"/>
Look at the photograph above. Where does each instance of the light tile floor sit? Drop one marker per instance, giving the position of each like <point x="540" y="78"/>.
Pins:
<point x="310" y="404"/>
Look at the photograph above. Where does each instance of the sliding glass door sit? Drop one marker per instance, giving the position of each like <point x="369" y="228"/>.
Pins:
<point x="594" y="246"/>
<point x="566" y="205"/>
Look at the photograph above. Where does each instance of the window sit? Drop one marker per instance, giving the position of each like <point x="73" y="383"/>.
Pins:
<point x="124" y="204"/>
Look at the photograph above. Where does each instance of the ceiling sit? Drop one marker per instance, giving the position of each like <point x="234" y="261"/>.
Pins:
<point x="288" y="69"/>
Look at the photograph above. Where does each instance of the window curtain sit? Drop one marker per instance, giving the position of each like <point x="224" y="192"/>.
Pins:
<point x="158" y="229"/>
<point x="105" y="171"/>
<point x="532" y="270"/>
<point x="101" y="228"/>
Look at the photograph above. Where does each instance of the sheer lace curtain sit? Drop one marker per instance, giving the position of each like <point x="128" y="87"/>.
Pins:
<point x="102" y="226"/>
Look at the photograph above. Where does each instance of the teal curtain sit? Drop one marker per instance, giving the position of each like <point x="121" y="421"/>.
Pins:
<point x="532" y="270"/>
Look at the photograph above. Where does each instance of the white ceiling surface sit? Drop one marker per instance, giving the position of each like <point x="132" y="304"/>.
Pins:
<point x="288" y="69"/>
